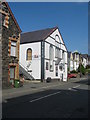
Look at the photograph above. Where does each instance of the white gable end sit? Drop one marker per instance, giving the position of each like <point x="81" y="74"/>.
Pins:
<point x="55" y="36"/>
<point x="51" y="60"/>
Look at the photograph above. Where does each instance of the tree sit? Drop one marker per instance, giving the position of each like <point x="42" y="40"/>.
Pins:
<point x="81" y="69"/>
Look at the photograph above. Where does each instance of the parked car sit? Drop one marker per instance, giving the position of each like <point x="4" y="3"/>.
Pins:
<point x="72" y="75"/>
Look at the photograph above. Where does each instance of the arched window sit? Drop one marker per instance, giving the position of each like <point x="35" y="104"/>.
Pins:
<point x="29" y="54"/>
<point x="57" y="39"/>
<point x="51" y="52"/>
<point x="51" y="57"/>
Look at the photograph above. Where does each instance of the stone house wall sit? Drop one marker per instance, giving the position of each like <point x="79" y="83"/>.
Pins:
<point x="10" y="32"/>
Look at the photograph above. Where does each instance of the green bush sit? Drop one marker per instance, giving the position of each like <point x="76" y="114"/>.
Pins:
<point x="81" y="69"/>
<point x="68" y="69"/>
<point x="73" y="71"/>
<point x="88" y="66"/>
<point x="88" y="70"/>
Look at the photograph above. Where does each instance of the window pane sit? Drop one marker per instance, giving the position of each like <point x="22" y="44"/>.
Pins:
<point x="56" y="70"/>
<point x="51" y="52"/>
<point x="13" y="43"/>
<point x="46" y="65"/>
<point x="13" y="51"/>
<point x="11" y="72"/>
<point x="29" y="54"/>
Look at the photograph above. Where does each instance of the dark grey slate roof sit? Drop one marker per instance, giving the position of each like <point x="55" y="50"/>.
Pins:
<point x="36" y="36"/>
<point x="73" y="55"/>
<point x="85" y="55"/>
<point x="69" y="54"/>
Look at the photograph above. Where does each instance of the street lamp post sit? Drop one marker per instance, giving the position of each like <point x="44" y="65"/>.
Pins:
<point x="80" y="65"/>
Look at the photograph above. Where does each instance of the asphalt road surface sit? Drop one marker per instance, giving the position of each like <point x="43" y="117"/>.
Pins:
<point x="66" y="101"/>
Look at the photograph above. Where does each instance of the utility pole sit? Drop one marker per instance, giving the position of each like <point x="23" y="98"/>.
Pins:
<point x="80" y="65"/>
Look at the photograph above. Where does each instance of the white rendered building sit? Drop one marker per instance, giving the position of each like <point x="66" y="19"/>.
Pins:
<point x="73" y="61"/>
<point x="43" y="54"/>
<point x="70" y="61"/>
<point x="84" y="60"/>
<point x="76" y="60"/>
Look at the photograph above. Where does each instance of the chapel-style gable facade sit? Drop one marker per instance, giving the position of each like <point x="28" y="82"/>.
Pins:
<point x="43" y="54"/>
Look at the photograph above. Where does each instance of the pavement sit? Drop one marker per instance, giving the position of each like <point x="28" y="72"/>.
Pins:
<point x="49" y="100"/>
<point x="28" y="88"/>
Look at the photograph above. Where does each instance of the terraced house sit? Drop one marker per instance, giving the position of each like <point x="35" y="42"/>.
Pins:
<point x="84" y="59"/>
<point x="75" y="58"/>
<point x="70" y="61"/>
<point x="43" y="54"/>
<point x="10" y="45"/>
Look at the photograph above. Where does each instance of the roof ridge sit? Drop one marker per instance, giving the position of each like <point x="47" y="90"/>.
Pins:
<point x="39" y="30"/>
<point x="36" y="36"/>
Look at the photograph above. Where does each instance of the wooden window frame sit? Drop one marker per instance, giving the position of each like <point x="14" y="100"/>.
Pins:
<point x="27" y="57"/>
<point x="15" y="48"/>
<point x="14" y="72"/>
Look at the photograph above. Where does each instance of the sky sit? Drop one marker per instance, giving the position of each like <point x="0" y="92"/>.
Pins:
<point x="71" y="19"/>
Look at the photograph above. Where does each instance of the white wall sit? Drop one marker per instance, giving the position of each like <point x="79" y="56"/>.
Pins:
<point x="52" y="41"/>
<point x="84" y="62"/>
<point x="71" y="65"/>
<point x="35" y="63"/>
<point x="75" y="65"/>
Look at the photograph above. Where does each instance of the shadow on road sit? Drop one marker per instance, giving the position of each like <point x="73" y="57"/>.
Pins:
<point x="86" y="82"/>
<point x="71" y="103"/>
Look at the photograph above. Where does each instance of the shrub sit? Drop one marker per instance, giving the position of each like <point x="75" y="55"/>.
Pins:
<point x="68" y="69"/>
<point x="82" y="69"/>
<point x="73" y="71"/>
<point x="88" y="66"/>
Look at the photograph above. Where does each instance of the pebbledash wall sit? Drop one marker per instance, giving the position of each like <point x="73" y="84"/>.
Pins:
<point x="41" y="62"/>
<point x="10" y="33"/>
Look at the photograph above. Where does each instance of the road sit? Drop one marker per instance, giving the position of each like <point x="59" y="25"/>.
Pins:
<point x="62" y="101"/>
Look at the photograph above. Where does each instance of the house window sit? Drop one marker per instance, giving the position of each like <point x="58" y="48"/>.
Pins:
<point x="6" y="21"/>
<point x="56" y="73"/>
<point x="13" y="48"/>
<point x="46" y="65"/>
<point x="51" y="52"/>
<point x="57" y="38"/>
<point x="57" y="52"/>
<point x="63" y="55"/>
<point x="60" y="67"/>
<point x="57" y="49"/>
<point x="56" y="70"/>
<point x="29" y="54"/>
<point x="12" y="72"/>
<point x="51" y="57"/>
<point x="51" y="68"/>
